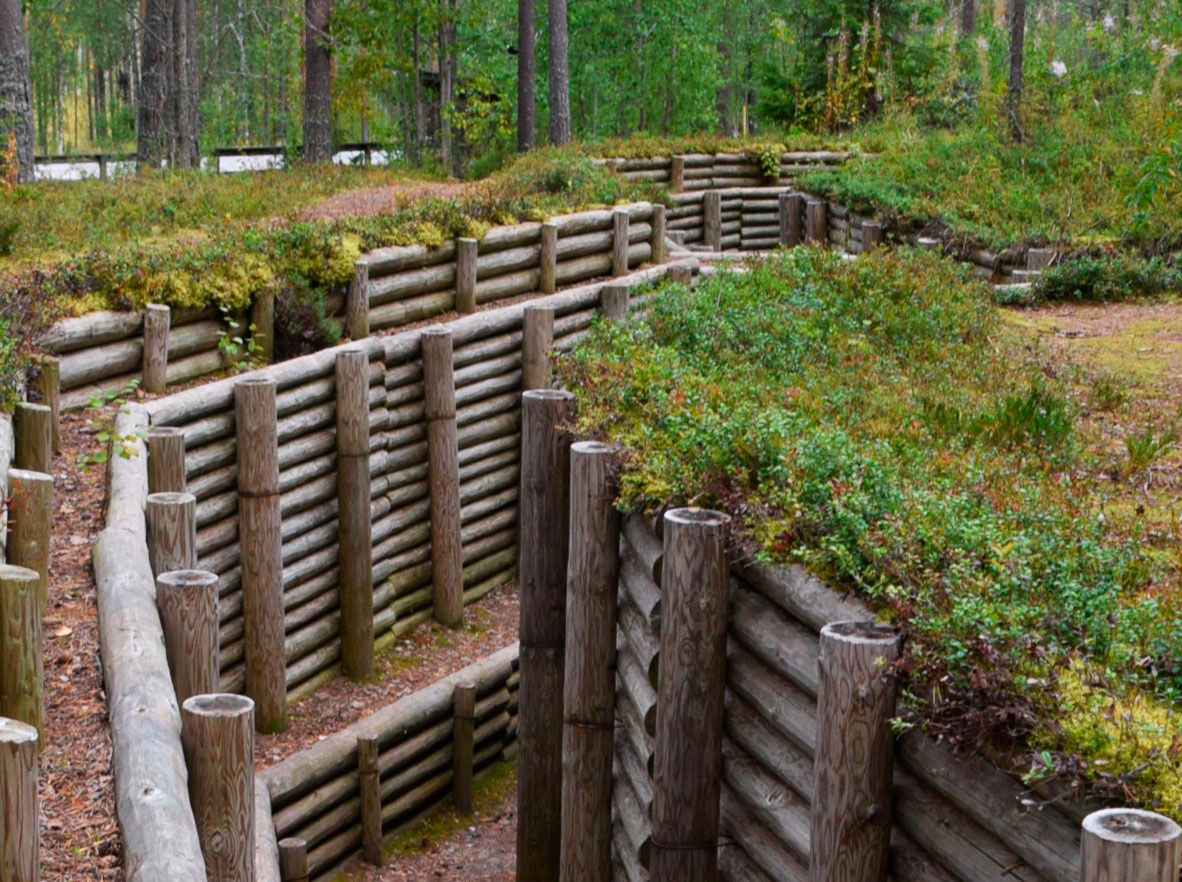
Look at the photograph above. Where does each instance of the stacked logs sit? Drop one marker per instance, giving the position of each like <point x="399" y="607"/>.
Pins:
<point x="705" y="171"/>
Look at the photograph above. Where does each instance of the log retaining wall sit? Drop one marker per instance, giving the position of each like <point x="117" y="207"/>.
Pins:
<point x="713" y="171"/>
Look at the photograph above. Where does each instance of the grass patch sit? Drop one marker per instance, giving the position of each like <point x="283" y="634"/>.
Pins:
<point x="878" y="422"/>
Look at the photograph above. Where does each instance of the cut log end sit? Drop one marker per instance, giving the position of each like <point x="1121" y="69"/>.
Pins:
<point x="1131" y="827"/>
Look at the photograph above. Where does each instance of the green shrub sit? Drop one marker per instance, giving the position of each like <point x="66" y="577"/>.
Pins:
<point x="1107" y="279"/>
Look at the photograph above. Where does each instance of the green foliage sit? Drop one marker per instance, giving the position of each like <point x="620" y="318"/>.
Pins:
<point x="1148" y="446"/>
<point x="874" y="421"/>
<point x="1107" y="279"/>
<point x="8" y="230"/>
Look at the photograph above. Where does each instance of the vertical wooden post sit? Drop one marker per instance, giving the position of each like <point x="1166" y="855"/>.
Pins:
<point x="660" y="253"/>
<point x="592" y="578"/>
<point x="217" y="732"/>
<point x="1039" y="258"/>
<point x="371" y="800"/>
<point x="166" y="460"/>
<point x="537" y="339"/>
<point x="613" y="301"/>
<point x="687" y="767"/>
<point x="22" y="673"/>
<point x="20" y="859"/>
<point x="620" y="221"/>
<point x="172" y="531"/>
<point x="873" y="234"/>
<point x="30" y="522"/>
<point x="548" y="277"/>
<point x="157" y="319"/>
<point x="293" y="859"/>
<point x="681" y="275"/>
<point x="677" y="174"/>
<point x="790" y="209"/>
<point x="187" y="601"/>
<point x="463" y="754"/>
<point x="545" y="513"/>
<point x="466" y="253"/>
<point x="32" y="426"/>
<point x="259" y="534"/>
<point x="1129" y="845"/>
<point x="817" y="221"/>
<point x="48" y="385"/>
<point x="712" y="220"/>
<point x="355" y="560"/>
<point x="262" y="321"/>
<point x="443" y="475"/>
<point x="851" y="808"/>
<point x="357" y="303"/>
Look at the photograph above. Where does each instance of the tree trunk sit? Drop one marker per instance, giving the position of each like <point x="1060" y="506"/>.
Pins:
<point x="1017" y="47"/>
<point x="317" y="82"/>
<point x="16" y="92"/>
<point x="968" y="18"/>
<point x="184" y="83"/>
<point x="559" y="75"/>
<point x="153" y="110"/>
<point x="447" y="80"/>
<point x="417" y="145"/>
<point x="100" y="103"/>
<point x="527" y="71"/>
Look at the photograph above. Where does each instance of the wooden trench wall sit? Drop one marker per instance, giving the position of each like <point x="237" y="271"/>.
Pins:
<point x="955" y="819"/>
<point x="715" y="171"/>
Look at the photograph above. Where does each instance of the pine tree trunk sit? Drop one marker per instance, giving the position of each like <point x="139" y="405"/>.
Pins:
<point x="447" y="81"/>
<point x="527" y="72"/>
<point x="1017" y="47"/>
<point x="559" y="75"/>
<point x="153" y="111"/>
<point x="968" y="18"/>
<point x="417" y="144"/>
<point x="16" y="92"/>
<point x="184" y="83"/>
<point x="317" y="82"/>
<point x="100" y="103"/>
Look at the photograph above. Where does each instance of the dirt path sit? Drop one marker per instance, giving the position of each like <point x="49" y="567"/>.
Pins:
<point x="369" y="201"/>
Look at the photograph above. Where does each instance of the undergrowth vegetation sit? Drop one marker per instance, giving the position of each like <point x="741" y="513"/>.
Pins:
<point x="877" y="422"/>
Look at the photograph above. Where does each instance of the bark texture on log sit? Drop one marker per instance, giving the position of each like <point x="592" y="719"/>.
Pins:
<point x="48" y="386"/>
<point x="166" y="460"/>
<point x="172" y="531"/>
<point x="537" y="341"/>
<point x="33" y="428"/>
<point x="463" y="729"/>
<point x="155" y="362"/>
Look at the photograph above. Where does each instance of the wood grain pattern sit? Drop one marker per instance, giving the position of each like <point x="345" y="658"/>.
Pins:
<point x="873" y="234"/>
<point x="688" y="764"/>
<point x="712" y="220"/>
<point x="851" y="807"/>
<point x="22" y="672"/>
<point x="791" y="206"/>
<point x="357" y="303"/>
<point x="218" y="736"/>
<point x="613" y="300"/>
<point x="48" y="386"/>
<point x="620" y="220"/>
<point x="371" y="800"/>
<point x="19" y="819"/>
<point x="536" y="342"/>
<point x="1123" y="845"/>
<point x="677" y="174"/>
<point x="260" y="538"/>
<point x="659" y="251"/>
<point x="548" y="266"/>
<point x="466" y="253"/>
<point x="262" y="320"/>
<point x="293" y="859"/>
<point x="32" y="426"/>
<point x="463" y="732"/>
<point x="589" y="685"/>
<point x="166" y="460"/>
<point x="172" y="531"/>
<point x="155" y="364"/>
<point x="188" y="604"/>
<point x="30" y="523"/>
<point x="443" y="475"/>
<point x="355" y="559"/>
<point x="817" y="221"/>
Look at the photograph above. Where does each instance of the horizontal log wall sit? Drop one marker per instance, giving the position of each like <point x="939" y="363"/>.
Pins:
<point x="315" y="794"/>
<point x="956" y="819"/>
<point x="714" y="171"/>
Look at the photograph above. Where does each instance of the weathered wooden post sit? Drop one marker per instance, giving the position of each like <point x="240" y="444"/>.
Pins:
<point x="620" y="221"/>
<point x="790" y="210"/>
<point x="293" y="859"/>
<point x="589" y="689"/>
<point x="355" y="560"/>
<point x="677" y="174"/>
<point x="33" y="428"/>
<point x="262" y="322"/>
<point x="466" y="253"/>
<point x="157" y="319"/>
<point x="712" y="220"/>
<point x="48" y="385"/>
<point x="22" y="673"/>
<point x="545" y="513"/>
<point x="166" y="460"/>
<point x="613" y="301"/>
<point x="1129" y="845"/>
<point x="259" y="532"/>
<point x="548" y="266"/>
<point x="1039" y="259"/>
<point x="817" y="221"/>
<point x="371" y="800"/>
<point x="463" y="745"/>
<point x="873" y="234"/>
<point x="537" y="339"/>
<point x="660" y="253"/>
<point x="443" y="476"/>
<point x="217" y="732"/>
<point x="20" y="859"/>
<point x="851" y="809"/>
<point x="357" y="303"/>
<point x="681" y="275"/>
<point x="172" y="531"/>
<point x="187" y="601"/>
<point x="687" y="768"/>
<point x="30" y="524"/>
